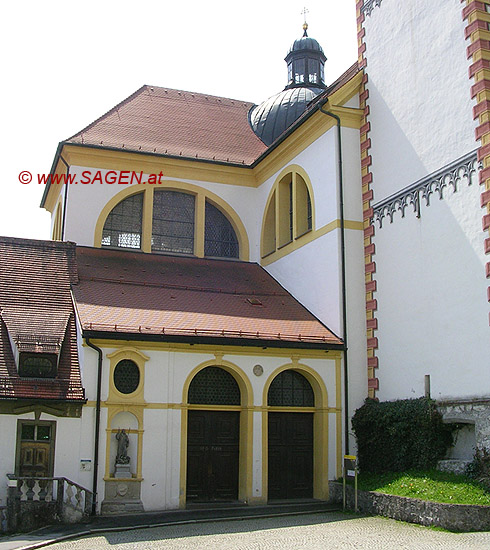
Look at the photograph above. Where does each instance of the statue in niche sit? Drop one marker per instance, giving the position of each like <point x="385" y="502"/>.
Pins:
<point x="122" y="447"/>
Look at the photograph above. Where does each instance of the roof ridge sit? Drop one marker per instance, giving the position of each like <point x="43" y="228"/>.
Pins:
<point x="202" y="94"/>
<point x="106" y="114"/>
<point x="21" y="241"/>
<point x="141" y="90"/>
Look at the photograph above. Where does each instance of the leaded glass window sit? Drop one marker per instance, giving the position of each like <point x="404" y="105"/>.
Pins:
<point x="290" y="389"/>
<point x="38" y="365"/>
<point x="35" y="432"/>
<point x="214" y="386"/>
<point x="173" y="222"/>
<point x="219" y="238"/>
<point x="122" y="228"/>
<point x="126" y="376"/>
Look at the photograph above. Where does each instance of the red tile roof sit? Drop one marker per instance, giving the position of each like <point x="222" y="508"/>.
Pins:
<point x="186" y="124"/>
<point x="36" y="312"/>
<point x="177" y="123"/>
<point x="176" y="297"/>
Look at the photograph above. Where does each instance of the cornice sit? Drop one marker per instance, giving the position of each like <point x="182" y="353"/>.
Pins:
<point x="448" y="176"/>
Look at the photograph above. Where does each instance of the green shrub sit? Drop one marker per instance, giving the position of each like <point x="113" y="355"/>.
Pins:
<point x="395" y="436"/>
<point x="479" y="469"/>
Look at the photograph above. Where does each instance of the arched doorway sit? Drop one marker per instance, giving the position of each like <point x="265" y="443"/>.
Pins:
<point x="290" y="436"/>
<point x="213" y="436"/>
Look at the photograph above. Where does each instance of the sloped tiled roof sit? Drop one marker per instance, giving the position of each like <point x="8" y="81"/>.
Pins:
<point x="177" y="123"/>
<point x="186" y="124"/>
<point x="193" y="299"/>
<point x="36" y="311"/>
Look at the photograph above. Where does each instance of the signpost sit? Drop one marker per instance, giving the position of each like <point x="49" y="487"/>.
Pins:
<point x="350" y="471"/>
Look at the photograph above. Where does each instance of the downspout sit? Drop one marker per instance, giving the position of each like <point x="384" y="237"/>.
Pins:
<point x="65" y="198"/>
<point x="343" y="277"/>
<point x="97" y="424"/>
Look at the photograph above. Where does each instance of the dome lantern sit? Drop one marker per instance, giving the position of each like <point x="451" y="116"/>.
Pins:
<point x="306" y="61"/>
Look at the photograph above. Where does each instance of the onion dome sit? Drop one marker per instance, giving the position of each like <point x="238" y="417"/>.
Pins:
<point x="271" y="118"/>
<point x="305" y="61"/>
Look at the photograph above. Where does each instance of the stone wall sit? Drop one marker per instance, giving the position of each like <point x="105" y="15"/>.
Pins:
<point x="454" y="517"/>
<point x="471" y="411"/>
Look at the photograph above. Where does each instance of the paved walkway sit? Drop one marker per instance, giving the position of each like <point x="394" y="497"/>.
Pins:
<point x="313" y="531"/>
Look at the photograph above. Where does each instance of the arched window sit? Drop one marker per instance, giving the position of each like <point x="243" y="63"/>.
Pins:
<point x="219" y="236"/>
<point x="214" y="386"/>
<point x="122" y="228"/>
<point x="174" y="225"/>
<point x="290" y="389"/>
<point x="289" y="213"/>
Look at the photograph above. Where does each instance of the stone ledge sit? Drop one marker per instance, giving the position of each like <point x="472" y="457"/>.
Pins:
<point x="454" y="517"/>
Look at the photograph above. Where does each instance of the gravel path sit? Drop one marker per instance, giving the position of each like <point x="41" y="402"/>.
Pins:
<point x="317" y="531"/>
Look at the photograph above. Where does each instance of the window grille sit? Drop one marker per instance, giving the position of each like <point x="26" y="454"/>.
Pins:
<point x="35" y="432"/>
<point x="214" y="386"/>
<point x="219" y="238"/>
<point x="38" y="365"/>
<point x="290" y="389"/>
<point x="173" y="222"/>
<point x="126" y="376"/>
<point x="122" y="228"/>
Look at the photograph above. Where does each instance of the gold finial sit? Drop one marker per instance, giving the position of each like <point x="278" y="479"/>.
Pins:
<point x="305" y="24"/>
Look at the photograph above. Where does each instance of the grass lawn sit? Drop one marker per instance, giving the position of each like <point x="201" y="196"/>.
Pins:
<point x="433" y="485"/>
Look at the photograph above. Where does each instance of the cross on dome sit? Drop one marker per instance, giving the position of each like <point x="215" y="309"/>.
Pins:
<point x="305" y="24"/>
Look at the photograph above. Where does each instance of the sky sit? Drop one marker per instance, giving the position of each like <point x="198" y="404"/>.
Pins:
<point x="66" y="63"/>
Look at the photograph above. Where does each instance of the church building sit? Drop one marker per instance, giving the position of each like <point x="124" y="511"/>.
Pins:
<point x="227" y="282"/>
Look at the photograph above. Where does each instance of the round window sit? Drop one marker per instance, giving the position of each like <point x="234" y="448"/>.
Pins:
<point x="126" y="376"/>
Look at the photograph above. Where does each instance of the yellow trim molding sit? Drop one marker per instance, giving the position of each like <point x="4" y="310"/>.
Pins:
<point x="133" y="403"/>
<point x="310" y="237"/>
<point x="214" y="349"/>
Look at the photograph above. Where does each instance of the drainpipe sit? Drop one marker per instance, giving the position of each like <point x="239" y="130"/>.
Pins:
<point x="343" y="277"/>
<point x="65" y="198"/>
<point x="97" y="425"/>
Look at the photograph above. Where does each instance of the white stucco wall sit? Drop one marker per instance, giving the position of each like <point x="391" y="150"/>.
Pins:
<point x="69" y="448"/>
<point x="431" y="289"/>
<point x="419" y="91"/>
<point x="8" y="429"/>
<point x="165" y="375"/>
<point x="432" y="308"/>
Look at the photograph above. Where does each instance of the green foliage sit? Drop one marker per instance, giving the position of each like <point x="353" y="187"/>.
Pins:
<point x="479" y="469"/>
<point x="431" y="485"/>
<point x="395" y="436"/>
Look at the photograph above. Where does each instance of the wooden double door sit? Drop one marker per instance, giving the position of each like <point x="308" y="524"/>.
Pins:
<point x="212" y="455"/>
<point x="290" y="464"/>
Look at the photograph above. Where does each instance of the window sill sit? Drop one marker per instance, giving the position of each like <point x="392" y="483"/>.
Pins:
<point x="303" y="234"/>
<point x="284" y="245"/>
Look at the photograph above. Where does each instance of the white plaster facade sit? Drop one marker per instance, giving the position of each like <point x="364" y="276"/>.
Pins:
<point x="419" y="99"/>
<point x="432" y="304"/>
